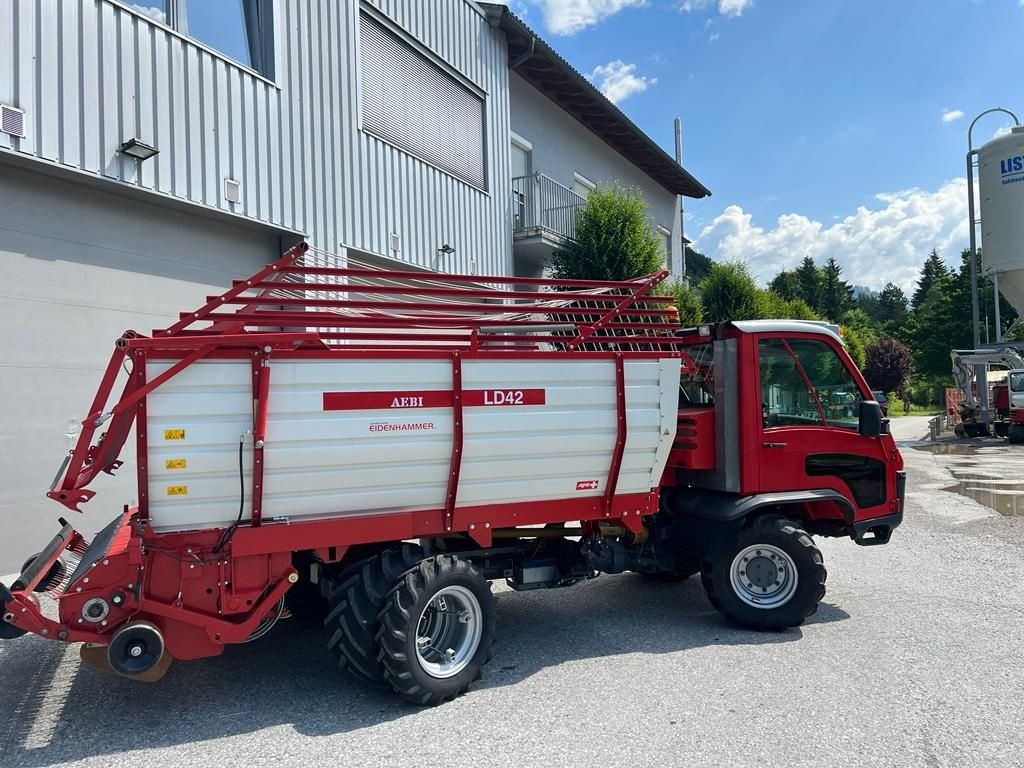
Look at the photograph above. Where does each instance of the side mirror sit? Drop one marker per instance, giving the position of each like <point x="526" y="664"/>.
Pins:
<point x="871" y="423"/>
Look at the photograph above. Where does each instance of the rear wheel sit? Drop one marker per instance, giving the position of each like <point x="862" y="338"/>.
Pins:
<point x="437" y="628"/>
<point x="771" y="578"/>
<point x="353" y="605"/>
<point x="1015" y="435"/>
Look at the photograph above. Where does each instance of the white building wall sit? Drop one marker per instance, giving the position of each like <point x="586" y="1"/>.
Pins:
<point x="562" y="147"/>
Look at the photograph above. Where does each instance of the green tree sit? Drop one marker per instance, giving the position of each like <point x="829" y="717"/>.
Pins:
<point x="836" y="294"/>
<point x="809" y="277"/>
<point x="697" y="265"/>
<point x="687" y="301"/>
<point x="855" y="345"/>
<point x="892" y="307"/>
<point x="730" y="293"/>
<point x="614" y="239"/>
<point x="934" y="269"/>
<point x="934" y="328"/>
<point x="786" y="284"/>
<point x="864" y="325"/>
<point x="778" y="307"/>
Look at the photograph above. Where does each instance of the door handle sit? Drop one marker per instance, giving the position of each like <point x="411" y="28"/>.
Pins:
<point x="773" y="445"/>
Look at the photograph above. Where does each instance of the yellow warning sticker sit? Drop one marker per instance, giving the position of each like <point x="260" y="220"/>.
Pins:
<point x="177" y="490"/>
<point x="174" y="434"/>
<point x="175" y="464"/>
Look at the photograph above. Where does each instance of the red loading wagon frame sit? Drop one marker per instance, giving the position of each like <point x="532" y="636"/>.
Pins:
<point x="297" y="309"/>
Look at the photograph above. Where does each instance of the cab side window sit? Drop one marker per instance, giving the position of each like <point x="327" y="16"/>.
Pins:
<point x="805" y="383"/>
<point x="833" y="383"/>
<point x="786" y="398"/>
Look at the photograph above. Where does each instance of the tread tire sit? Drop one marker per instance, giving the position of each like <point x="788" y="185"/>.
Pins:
<point x="811" y="574"/>
<point x="397" y="634"/>
<point x="1015" y="434"/>
<point x="355" y="600"/>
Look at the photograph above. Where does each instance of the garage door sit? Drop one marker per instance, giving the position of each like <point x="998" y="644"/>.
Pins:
<point x="79" y="267"/>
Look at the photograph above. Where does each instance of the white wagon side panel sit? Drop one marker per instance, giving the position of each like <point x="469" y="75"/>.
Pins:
<point x="373" y="446"/>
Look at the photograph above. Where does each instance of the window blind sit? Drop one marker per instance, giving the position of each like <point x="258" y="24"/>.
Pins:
<point x="412" y="103"/>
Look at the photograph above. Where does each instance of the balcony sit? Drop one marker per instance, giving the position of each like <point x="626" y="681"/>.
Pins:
<point x="544" y="215"/>
<point x="543" y="212"/>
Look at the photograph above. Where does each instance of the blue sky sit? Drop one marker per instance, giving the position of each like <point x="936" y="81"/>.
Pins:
<point x="826" y="127"/>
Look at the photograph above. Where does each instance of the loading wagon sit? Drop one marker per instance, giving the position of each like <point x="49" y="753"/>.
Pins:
<point x="374" y="447"/>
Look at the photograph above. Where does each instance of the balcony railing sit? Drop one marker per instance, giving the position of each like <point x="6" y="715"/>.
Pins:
<point x="541" y="205"/>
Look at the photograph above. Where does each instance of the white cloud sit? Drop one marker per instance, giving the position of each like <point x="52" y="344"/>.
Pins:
<point x="873" y="245"/>
<point x="617" y="80"/>
<point x="724" y="7"/>
<point x="567" y="17"/>
<point x="157" y="14"/>
<point x="1003" y="130"/>
<point x="951" y="115"/>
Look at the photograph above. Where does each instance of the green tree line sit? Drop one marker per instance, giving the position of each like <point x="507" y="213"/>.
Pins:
<point x="901" y="342"/>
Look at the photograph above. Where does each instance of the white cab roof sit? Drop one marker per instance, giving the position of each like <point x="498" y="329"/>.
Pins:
<point x="786" y="326"/>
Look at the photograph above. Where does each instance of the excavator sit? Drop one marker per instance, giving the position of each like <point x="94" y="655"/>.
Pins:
<point x="1007" y="402"/>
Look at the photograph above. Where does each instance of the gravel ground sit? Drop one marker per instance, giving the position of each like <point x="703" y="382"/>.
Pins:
<point x="912" y="660"/>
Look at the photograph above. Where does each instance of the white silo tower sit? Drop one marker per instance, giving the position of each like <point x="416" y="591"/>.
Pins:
<point x="1001" y="192"/>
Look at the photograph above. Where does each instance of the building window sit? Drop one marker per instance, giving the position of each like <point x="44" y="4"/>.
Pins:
<point x="665" y="236"/>
<point x="411" y="102"/>
<point x="582" y="186"/>
<point x="242" y="30"/>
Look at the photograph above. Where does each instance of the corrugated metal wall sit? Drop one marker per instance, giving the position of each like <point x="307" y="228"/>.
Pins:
<point x="91" y="73"/>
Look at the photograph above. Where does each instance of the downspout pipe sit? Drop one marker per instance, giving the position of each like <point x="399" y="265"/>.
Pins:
<point x="526" y="56"/>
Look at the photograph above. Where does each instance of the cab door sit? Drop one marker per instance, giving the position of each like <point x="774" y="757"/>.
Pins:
<point x="810" y="439"/>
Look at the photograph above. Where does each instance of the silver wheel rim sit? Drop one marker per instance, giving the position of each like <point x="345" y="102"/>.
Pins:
<point x="763" y="576"/>
<point x="448" y="632"/>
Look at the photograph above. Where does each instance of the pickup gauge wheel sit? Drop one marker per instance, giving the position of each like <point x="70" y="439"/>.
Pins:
<point x="353" y="605"/>
<point x="437" y="628"/>
<point x="772" y="577"/>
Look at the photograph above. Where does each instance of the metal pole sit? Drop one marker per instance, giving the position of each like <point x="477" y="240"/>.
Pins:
<point x="682" y="212"/>
<point x="981" y="371"/>
<point x="972" y="221"/>
<point x="999" y="320"/>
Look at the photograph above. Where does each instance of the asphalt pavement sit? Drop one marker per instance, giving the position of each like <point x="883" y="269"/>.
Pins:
<point x="913" y="659"/>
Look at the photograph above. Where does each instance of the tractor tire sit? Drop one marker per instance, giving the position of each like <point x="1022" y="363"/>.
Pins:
<point x="1015" y="435"/>
<point x="772" y="577"/>
<point x="357" y="597"/>
<point x="437" y="629"/>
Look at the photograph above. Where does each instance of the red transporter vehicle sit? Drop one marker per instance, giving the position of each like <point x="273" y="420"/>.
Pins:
<point x="379" y="445"/>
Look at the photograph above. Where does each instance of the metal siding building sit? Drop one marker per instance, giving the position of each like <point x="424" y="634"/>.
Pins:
<point x="93" y="242"/>
<point x="93" y="74"/>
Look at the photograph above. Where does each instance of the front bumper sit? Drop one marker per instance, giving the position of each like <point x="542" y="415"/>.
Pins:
<point x="878" y="530"/>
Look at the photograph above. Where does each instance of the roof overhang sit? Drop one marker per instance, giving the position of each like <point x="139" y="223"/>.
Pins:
<point x="541" y="66"/>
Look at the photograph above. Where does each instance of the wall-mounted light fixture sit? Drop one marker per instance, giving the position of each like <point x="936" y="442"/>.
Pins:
<point x="445" y="250"/>
<point x="137" y="149"/>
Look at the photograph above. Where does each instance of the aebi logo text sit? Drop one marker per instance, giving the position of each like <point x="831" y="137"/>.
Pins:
<point x="407" y="402"/>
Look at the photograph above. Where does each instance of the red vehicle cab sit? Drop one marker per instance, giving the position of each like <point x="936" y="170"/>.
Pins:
<point x="778" y="415"/>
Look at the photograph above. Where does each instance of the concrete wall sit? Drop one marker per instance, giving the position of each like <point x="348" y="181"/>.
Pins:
<point x="562" y="147"/>
<point x="80" y="267"/>
<point x="92" y="73"/>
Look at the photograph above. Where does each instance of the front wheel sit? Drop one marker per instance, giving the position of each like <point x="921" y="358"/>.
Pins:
<point x="437" y="628"/>
<point x="772" y="577"/>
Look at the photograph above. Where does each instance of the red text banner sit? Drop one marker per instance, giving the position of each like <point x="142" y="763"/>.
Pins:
<point x="399" y="400"/>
